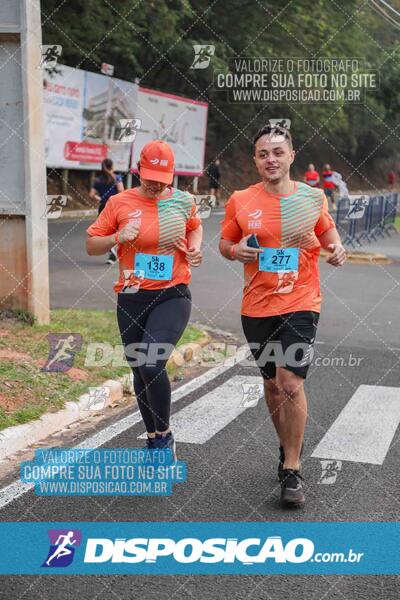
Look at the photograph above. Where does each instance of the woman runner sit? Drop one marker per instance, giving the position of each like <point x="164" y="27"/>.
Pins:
<point x="159" y="237"/>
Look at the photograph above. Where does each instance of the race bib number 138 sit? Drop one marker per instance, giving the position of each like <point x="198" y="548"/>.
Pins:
<point x="155" y="266"/>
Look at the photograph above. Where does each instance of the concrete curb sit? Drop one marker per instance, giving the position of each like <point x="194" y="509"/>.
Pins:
<point x="78" y="214"/>
<point x="364" y="257"/>
<point x="20" y="437"/>
<point x="186" y="352"/>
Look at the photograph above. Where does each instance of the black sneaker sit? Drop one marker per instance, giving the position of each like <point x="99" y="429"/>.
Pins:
<point x="112" y="257"/>
<point x="282" y="459"/>
<point x="150" y="443"/>
<point x="292" y="493"/>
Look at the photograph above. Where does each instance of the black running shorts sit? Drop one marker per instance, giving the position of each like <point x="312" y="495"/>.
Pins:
<point x="282" y="341"/>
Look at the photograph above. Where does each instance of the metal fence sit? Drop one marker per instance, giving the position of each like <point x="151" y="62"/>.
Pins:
<point x="361" y="219"/>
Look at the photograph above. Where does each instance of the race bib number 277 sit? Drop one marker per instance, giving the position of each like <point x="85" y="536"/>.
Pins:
<point x="279" y="259"/>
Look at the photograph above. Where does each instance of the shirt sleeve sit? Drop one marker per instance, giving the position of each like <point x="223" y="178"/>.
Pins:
<point x="325" y="220"/>
<point x="194" y="220"/>
<point x="106" y="223"/>
<point x="230" y="228"/>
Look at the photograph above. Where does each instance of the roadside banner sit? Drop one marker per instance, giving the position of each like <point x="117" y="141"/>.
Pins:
<point x="181" y="122"/>
<point x="83" y="111"/>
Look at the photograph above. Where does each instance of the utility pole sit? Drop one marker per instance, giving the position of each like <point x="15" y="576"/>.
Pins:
<point x="24" y="268"/>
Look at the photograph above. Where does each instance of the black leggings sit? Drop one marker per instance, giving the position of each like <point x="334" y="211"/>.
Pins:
<point x="148" y="320"/>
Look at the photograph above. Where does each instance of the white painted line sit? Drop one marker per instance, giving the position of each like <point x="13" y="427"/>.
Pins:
<point x="205" y="417"/>
<point x="16" y="489"/>
<point x="192" y="385"/>
<point x="364" y="429"/>
<point x="201" y="420"/>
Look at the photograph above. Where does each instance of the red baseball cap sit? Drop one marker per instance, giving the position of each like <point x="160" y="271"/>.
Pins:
<point x="157" y="162"/>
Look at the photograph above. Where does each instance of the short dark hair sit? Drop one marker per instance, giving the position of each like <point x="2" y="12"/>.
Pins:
<point x="278" y="130"/>
<point x="106" y="167"/>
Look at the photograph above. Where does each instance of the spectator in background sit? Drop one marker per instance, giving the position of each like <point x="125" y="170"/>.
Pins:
<point x="106" y="185"/>
<point x="341" y="185"/>
<point x="391" y="179"/>
<point x="311" y="176"/>
<point x="214" y="174"/>
<point x="328" y="184"/>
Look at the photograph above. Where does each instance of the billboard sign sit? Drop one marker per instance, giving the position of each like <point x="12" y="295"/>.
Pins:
<point x="181" y="122"/>
<point x="83" y="111"/>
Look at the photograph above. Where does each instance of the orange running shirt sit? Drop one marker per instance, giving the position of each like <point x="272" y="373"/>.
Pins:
<point x="162" y="224"/>
<point x="286" y="221"/>
<point x="311" y="177"/>
<point x="327" y="180"/>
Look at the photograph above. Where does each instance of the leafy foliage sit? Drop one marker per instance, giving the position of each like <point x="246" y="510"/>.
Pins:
<point x="153" y="40"/>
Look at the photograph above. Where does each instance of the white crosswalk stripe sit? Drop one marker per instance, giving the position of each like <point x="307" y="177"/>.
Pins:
<point x="364" y="429"/>
<point x="201" y="420"/>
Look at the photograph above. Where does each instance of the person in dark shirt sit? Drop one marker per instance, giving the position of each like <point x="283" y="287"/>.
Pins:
<point x="214" y="175"/>
<point x="106" y="185"/>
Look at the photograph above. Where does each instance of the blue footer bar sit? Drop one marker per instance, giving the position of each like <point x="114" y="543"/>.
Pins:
<point x="154" y="548"/>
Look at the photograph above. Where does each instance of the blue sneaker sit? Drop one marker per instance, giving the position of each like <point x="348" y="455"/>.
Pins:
<point x="166" y="441"/>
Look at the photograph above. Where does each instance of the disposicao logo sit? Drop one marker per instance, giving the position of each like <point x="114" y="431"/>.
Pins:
<point x="62" y="547"/>
<point x="248" y="551"/>
<point x="136" y="213"/>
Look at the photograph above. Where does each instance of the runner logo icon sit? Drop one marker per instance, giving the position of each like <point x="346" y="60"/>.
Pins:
<point x="251" y="394"/>
<point x="61" y="551"/>
<point x="330" y="471"/>
<point x="357" y="207"/>
<point x="62" y="350"/>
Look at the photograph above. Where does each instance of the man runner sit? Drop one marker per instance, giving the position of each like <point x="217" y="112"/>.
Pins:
<point x="282" y="297"/>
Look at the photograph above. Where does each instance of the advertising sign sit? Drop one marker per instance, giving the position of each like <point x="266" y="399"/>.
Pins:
<point x="179" y="121"/>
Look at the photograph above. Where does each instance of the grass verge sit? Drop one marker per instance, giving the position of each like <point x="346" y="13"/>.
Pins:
<point x="27" y="392"/>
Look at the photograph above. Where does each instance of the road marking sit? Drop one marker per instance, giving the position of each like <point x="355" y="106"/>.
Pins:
<point x="364" y="429"/>
<point x="205" y="417"/>
<point x="17" y="488"/>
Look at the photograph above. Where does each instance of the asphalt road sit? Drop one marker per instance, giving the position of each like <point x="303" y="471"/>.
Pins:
<point x="232" y="475"/>
<point x="361" y="302"/>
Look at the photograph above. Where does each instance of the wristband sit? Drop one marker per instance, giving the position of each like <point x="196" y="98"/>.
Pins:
<point x="231" y="252"/>
<point x="117" y="237"/>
